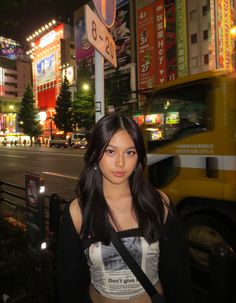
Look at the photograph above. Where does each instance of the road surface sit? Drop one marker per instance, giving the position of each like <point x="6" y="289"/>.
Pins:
<point x="60" y="167"/>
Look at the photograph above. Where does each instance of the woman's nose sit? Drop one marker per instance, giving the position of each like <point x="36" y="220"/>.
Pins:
<point x="119" y="160"/>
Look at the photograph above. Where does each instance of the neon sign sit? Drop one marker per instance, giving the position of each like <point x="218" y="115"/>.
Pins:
<point x="47" y="39"/>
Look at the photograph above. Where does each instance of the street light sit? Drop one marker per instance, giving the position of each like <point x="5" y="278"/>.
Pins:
<point x="85" y="87"/>
<point x="232" y="33"/>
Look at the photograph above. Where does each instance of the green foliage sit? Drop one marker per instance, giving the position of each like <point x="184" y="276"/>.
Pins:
<point x="84" y="75"/>
<point x="27" y="117"/>
<point x="63" y="117"/>
<point x="117" y="90"/>
<point x="83" y="107"/>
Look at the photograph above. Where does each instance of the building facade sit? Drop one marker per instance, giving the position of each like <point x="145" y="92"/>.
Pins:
<point x="15" y="75"/>
<point x="209" y="43"/>
<point x="53" y="57"/>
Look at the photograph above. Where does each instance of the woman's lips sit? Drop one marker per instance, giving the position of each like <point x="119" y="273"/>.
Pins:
<point x="118" y="173"/>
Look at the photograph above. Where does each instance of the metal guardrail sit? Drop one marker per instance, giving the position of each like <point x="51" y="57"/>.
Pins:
<point x="14" y="197"/>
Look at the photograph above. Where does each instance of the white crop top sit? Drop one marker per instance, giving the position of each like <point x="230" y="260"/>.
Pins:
<point x="109" y="273"/>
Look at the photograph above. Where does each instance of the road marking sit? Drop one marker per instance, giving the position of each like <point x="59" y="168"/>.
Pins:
<point x="59" y="175"/>
<point x="46" y="152"/>
<point x="11" y="156"/>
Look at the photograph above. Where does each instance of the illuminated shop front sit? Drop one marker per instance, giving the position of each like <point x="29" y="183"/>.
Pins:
<point x="50" y="63"/>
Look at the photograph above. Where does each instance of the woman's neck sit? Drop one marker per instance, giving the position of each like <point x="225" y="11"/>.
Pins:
<point x="116" y="191"/>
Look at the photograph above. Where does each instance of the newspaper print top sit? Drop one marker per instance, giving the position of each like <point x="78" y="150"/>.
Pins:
<point x="111" y="276"/>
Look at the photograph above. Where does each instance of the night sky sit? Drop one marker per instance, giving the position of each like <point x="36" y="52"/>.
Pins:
<point x="21" y="20"/>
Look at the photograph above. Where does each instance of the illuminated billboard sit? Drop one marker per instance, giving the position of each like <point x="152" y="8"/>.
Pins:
<point x="10" y="49"/>
<point x="154" y="119"/>
<point x="84" y="50"/>
<point x="46" y="70"/>
<point x="224" y="23"/>
<point x="68" y="72"/>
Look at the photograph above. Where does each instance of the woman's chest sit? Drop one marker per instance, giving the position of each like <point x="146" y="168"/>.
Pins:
<point x="107" y="258"/>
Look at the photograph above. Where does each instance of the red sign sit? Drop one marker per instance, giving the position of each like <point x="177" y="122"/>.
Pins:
<point x="146" y="47"/>
<point x="106" y="10"/>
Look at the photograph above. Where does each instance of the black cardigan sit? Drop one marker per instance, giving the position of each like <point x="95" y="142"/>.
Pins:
<point x="73" y="273"/>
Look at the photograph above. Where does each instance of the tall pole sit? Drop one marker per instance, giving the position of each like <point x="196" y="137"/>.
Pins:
<point x="99" y="86"/>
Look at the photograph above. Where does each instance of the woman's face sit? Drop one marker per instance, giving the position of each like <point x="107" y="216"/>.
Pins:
<point x="119" y="159"/>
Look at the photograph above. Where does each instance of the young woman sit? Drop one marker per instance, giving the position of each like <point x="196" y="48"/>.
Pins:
<point x="112" y="192"/>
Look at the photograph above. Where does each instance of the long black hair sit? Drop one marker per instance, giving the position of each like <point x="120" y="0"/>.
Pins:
<point x="147" y="202"/>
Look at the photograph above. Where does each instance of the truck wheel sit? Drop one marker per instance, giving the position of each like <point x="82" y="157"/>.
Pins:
<point x="206" y="230"/>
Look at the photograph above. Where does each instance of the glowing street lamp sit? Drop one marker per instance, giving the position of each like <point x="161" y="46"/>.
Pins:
<point x="233" y="36"/>
<point x="85" y="87"/>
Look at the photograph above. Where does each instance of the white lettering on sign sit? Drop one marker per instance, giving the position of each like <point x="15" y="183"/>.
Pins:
<point x="47" y="39"/>
<point x="99" y="36"/>
<point x="160" y="43"/>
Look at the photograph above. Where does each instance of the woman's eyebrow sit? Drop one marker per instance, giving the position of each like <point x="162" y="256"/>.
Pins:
<point x="113" y="146"/>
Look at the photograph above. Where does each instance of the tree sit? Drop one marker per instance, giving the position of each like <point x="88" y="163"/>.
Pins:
<point x="117" y="90"/>
<point x="83" y="107"/>
<point x="63" y="117"/>
<point x="84" y="75"/>
<point x="28" y="117"/>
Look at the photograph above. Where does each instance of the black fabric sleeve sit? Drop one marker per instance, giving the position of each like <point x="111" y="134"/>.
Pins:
<point x="72" y="273"/>
<point x="174" y="269"/>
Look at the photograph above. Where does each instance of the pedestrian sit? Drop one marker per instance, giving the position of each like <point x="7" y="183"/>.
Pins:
<point x="112" y="194"/>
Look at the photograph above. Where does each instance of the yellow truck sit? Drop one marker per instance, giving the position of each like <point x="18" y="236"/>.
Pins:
<point x="190" y="134"/>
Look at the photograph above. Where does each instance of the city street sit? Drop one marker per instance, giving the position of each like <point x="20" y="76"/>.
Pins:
<point x="60" y="167"/>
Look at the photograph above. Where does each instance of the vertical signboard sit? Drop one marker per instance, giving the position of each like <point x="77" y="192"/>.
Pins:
<point x="160" y="42"/>
<point x="181" y="37"/>
<point x="220" y="36"/>
<point x="232" y="40"/>
<point x="223" y="37"/>
<point x="170" y="40"/>
<point x="146" y="46"/>
<point x="120" y="32"/>
<point x="35" y="209"/>
<point x="84" y="50"/>
<point x="212" y="40"/>
<point x="226" y="24"/>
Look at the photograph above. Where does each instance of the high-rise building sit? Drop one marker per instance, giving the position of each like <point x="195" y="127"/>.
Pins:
<point x="15" y="75"/>
<point x="53" y="57"/>
<point x="209" y="43"/>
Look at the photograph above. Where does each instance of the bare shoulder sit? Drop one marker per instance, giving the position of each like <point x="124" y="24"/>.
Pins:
<point x="166" y="203"/>
<point x="75" y="213"/>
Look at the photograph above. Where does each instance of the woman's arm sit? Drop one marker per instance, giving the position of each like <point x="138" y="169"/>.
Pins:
<point x="174" y="268"/>
<point x="71" y="271"/>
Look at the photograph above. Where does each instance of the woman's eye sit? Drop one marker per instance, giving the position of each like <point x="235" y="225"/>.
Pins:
<point x="131" y="152"/>
<point x="109" y="151"/>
